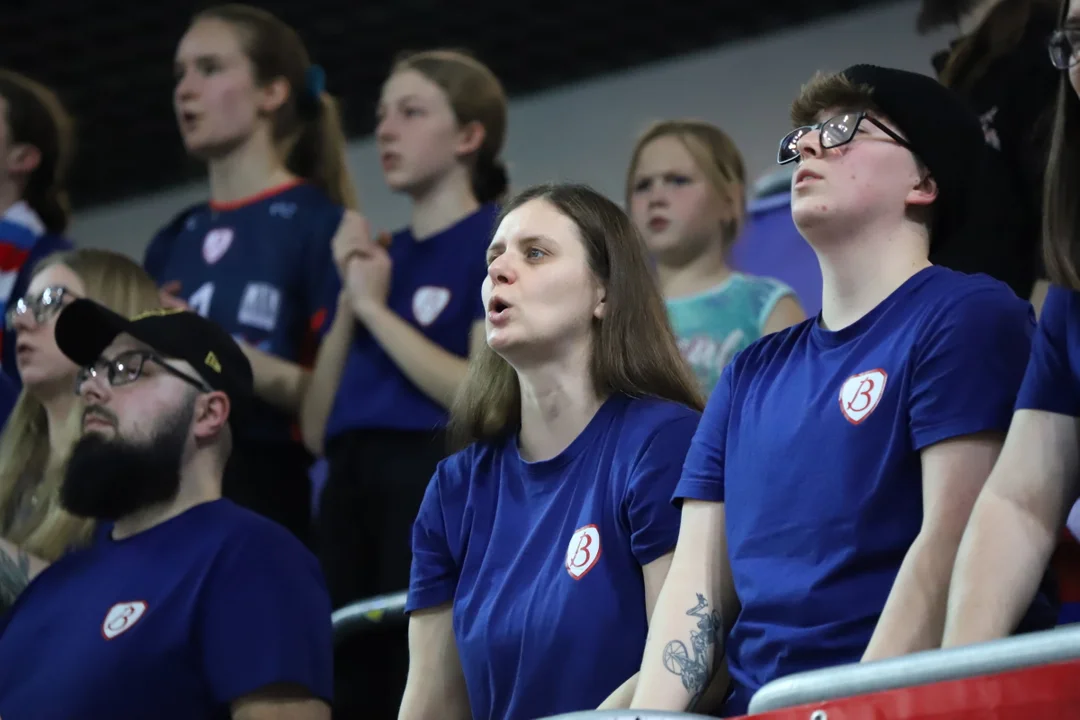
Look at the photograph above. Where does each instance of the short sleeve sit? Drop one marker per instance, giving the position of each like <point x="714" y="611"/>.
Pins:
<point x="434" y="573"/>
<point x="322" y="282"/>
<point x="1050" y="384"/>
<point x="265" y="617"/>
<point x="772" y="292"/>
<point x="156" y="257"/>
<point x="968" y="371"/>
<point x="653" y="520"/>
<point x="703" y="471"/>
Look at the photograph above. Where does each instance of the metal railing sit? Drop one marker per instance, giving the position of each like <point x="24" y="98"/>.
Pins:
<point x="364" y="614"/>
<point x="932" y="666"/>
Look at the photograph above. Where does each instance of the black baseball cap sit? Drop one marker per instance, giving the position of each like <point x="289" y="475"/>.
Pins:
<point x="85" y="328"/>
<point x="943" y="132"/>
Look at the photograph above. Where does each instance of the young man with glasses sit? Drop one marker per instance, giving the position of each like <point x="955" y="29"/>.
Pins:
<point x="188" y="606"/>
<point x="834" y="469"/>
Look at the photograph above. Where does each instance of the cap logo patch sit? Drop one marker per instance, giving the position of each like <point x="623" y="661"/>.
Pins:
<point x="212" y="361"/>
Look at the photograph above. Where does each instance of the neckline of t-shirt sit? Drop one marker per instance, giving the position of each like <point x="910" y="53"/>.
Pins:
<point x="541" y="469"/>
<point x="487" y="209"/>
<point x="219" y="206"/>
<point x="194" y="509"/>
<point x="835" y="338"/>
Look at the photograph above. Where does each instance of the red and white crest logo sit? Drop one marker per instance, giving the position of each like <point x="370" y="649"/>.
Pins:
<point x="121" y="617"/>
<point x="860" y="394"/>
<point x="583" y="551"/>
<point x="216" y="244"/>
<point x="428" y="302"/>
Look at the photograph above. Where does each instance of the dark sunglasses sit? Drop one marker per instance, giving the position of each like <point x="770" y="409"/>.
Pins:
<point x="1064" y="47"/>
<point x="127" y="367"/>
<point x="835" y="131"/>
<point x="42" y="307"/>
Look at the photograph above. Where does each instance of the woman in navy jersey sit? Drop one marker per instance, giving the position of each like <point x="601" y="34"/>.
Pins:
<point x="540" y="547"/>
<point x="1021" y="512"/>
<point x="686" y="191"/>
<point x="397" y="351"/>
<point x="37" y="141"/>
<point x="257" y="258"/>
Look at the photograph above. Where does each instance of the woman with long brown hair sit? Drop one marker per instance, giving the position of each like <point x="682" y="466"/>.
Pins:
<point x="541" y="546"/>
<point x="1018" y="520"/>
<point x="44" y="424"/>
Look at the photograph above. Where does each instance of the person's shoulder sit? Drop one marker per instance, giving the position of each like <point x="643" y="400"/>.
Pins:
<point x="652" y="412"/>
<point x="247" y="532"/>
<point x="185" y="220"/>
<point x="954" y="291"/>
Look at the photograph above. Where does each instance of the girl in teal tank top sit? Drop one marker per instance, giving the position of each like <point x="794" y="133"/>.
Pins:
<point x="686" y="193"/>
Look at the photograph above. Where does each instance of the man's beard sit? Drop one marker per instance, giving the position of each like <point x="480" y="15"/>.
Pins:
<point x="936" y="13"/>
<point x="112" y="478"/>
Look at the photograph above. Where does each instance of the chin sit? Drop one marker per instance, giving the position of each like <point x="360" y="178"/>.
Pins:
<point x="37" y="378"/>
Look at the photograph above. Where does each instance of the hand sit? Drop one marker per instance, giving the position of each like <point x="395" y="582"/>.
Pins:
<point x="367" y="280"/>
<point x="353" y="237"/>
<point x="169" y="296"/>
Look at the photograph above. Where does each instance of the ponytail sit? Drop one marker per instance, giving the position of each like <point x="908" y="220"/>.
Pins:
<point x="490" y="180"/>
<point x="36" y="117"/>
<point x="318" y="154"/>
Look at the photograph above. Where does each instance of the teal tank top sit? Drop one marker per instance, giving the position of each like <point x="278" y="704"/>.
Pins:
<point x="714" y="325"/>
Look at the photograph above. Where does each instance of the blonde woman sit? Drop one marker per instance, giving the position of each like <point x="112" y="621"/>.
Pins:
<point x="34" y="530"/>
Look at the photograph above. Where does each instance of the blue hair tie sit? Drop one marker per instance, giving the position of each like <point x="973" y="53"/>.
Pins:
<point x="315" y="81"/>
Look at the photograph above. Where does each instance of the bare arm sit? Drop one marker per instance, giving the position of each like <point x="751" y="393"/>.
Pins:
<point x="786" y="313"/>
<point x="280" y="702"/>
<point x="1014" y="527"/>
<point x="434" y="370"/>
<point x="654" y="575"/>
<point x="326" y="377"/>
<point x="435" y="689"/>
<point x="697" y="594"/>
<point x="17" y="569"/>
<point x="279" y="382"/>
<point x="954" y="471"/>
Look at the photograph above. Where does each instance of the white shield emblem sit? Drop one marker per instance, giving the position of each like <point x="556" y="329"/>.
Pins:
<point x="121" y="617"/>
<point x="583" y="551"/>
<point x="216" y="244"/>
<point x="860" y="394"/>
<point x="428" y="302"/>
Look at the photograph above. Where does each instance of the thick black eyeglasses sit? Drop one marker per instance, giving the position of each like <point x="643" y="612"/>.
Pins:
<point x="42" y="307"/>
<point x="127" y="367"/>
<point x="1064" y="47"/>
<point x="835" y="131"/>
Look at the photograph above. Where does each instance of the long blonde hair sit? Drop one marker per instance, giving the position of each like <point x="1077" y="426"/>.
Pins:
<point x="49" y="531"/>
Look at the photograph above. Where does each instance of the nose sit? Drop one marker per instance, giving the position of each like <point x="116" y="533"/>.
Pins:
<point x="185" y="86"/>
<point x="92" y="388"/>
<point x="501" y="271"/>
<point x="386" y="128"/>
<point x="809" y="145"/>
<point x="22" y="322"/>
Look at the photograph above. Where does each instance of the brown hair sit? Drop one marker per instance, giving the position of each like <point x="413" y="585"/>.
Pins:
<point x="36" y="116"/>
<point x="25" y="453"/>
<point x="971" y="56"/>
<point x="829" y="90"/>
<point x="1061" y="216"/>
<point x="716" y="156"/>
<point x="475" y="95"/>
<point x="634" y="350"/>
<point x="307" y="128"/>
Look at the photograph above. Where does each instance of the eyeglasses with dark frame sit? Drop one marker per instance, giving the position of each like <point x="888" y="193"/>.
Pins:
<point x="1064" y="47"/>
<point x="836" y="131"/>
<point x="127" y="367"/>
<point x="42" y="307"/>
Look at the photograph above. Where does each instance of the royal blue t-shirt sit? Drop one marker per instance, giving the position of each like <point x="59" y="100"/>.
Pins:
<point x="176" y="622"/>
<point x="1052" y="381"/>
<point x="543" y="560"/>
<point x="812" y="440"/>
<point x="435" y="288"/>
<point x="263" y="269"/>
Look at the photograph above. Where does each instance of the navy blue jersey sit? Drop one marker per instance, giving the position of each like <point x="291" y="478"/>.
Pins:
<point x="263" y="269"/>
<point x="435" y="287"/>
<point x="542" y="560"/>
<point x="176" y="622"/>
<point x="812" y="441"/>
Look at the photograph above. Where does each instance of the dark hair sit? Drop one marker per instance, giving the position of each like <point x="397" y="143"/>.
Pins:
<point x="1061" y="216"/>
<point x="307" y="127"/>
<point x="634" y="350"/>
<point x="475" y="95"/>
<point x="35" y="116"/>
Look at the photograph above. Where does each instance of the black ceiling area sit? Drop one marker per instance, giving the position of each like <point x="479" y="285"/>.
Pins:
<point x="111" y="60"/>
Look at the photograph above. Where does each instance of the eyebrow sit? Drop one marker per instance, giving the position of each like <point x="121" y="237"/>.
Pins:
<point x="532" y="237"/>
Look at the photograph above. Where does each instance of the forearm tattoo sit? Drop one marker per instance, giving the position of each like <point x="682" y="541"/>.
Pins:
<point x="693" y="665"/>
<point x="14" y="577"/>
